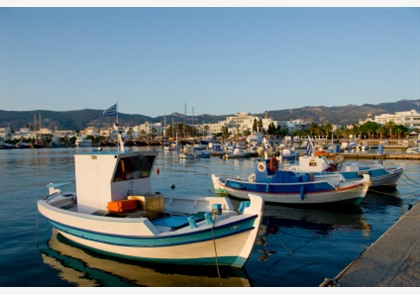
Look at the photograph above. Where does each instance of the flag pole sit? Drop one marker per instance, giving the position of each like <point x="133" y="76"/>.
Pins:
<point x="117" y="110"/>
<point x="116" y="90"/>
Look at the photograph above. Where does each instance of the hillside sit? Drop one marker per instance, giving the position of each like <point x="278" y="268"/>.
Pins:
<point x="76" y="120"/>
<point x="350" y="114"/>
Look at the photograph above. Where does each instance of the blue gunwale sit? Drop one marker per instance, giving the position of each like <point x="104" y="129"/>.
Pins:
<point x="285" y="188"/>
<point x="237" y="227"/>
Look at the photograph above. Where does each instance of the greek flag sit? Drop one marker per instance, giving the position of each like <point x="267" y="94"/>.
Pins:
<point x="309" y="148"/>
<point x="111" y="111"/>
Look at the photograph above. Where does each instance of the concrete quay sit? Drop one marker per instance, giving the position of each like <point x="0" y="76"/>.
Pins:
<point x="391" y="261"/>
<point x="372" y="156"/>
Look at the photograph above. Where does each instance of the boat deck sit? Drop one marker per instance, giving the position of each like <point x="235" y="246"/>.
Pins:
<point x="392" y="261"/>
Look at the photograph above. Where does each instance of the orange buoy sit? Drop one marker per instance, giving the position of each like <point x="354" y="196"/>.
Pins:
<point x="157" y="170"/>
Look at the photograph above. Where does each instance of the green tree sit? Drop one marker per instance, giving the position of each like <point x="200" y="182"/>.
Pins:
<point x="260" y="125"/>
<point x="130" y="133"/>
<point x="254" y="125"/>
<point x="401" y="131"/>
<point x="225" y="132"/>
<point x="390" y="126"/>
<point x="369" y="128"/>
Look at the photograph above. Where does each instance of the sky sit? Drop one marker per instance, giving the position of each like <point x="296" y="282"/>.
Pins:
<point x="155" y="61"/>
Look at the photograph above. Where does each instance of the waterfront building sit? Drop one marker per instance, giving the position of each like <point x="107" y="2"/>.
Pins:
<point x="410" y="119"/>
<point x="5" y="133"/>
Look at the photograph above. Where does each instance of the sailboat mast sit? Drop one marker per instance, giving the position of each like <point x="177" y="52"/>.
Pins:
<point x="116" y="91"/>
<point x="117" y="110"/>
<point x="164" y="126"/>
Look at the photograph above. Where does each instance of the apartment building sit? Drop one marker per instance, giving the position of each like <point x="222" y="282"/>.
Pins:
<point x="410" y="119"/>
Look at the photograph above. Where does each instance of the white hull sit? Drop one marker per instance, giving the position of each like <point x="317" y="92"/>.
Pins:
<point x="341" y="195"/>
<point x="387" y="180"/>
<point x="380" y="176"/>
<point x="309" y="199"/>
<point x="84" y="143"/>
<point x="225" y="247"/>
<point x="84" y="269"/>
<point x="138" y="238"/>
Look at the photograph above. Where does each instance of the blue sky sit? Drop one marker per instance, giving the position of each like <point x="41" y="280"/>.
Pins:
<point x="207" y="60"/>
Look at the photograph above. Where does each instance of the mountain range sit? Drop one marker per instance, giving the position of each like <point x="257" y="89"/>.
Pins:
<point x="80" y="119"/>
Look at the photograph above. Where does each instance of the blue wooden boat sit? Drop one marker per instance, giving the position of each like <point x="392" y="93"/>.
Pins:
<point x="293" y="188"/>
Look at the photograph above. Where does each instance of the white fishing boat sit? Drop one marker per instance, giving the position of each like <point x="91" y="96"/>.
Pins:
<point x="380" y="176"/>
<point x="5" y="145"/>
<point x="83" y="142"/>
<point x="413" y="150"/>
<point x="236" y="154"/>
<point x="114" y="211"/>
<point x="189" y="152"/>
<point x="289" y="154"/>
<point x="170" y="146"/>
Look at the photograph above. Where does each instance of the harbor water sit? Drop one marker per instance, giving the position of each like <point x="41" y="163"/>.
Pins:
<point x="295" y="248"/>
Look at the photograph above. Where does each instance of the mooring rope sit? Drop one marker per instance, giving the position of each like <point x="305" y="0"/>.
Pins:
<point x="215" y="250"/>
<point x="411" y="179"/>
<point x="415" y="193"/>
<point x="394" y="194"/>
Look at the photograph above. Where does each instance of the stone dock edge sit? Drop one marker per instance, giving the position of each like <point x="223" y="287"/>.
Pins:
<point x="393" y="260"/>
<point x="372" y="156"/>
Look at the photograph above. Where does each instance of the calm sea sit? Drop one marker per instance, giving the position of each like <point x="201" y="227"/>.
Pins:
<point x="296" y="248"/>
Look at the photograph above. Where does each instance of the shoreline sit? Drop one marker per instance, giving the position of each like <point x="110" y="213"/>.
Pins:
<point x="384" y="156"/>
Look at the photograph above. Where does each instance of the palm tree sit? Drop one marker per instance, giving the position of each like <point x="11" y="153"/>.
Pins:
<point x="390" y="126"/>
<point x="327" y="129"/>
<point x="369" y="128"/>
<point x="130" y="133"/>
<point x="401" y="130"/>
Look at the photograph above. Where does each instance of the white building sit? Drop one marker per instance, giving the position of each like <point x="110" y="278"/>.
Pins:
<point x="293" y="125"/>
<point x="410" y="119"/>
<point x="244" y="122"/>
<point x="147" y="128"/>
<point x="5" y="133"/>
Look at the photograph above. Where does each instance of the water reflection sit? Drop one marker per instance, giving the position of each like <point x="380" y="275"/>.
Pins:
<point x="82" y="267"/>
<point x="383" y="198"/>
<point x="280" y="220"/>
<point x="319" y="220"/>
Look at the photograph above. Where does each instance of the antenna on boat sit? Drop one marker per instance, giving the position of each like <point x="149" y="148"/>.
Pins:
<point x="310" y="150"/>
<point x="120" y="142"/>
<point x="265" y="145"/>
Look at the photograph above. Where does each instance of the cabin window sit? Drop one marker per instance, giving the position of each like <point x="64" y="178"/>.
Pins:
<point x="133" y="168"/>
<point x="312" y="164"/>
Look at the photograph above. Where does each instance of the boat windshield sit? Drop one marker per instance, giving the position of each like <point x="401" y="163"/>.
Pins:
<point x="134" y="167"/>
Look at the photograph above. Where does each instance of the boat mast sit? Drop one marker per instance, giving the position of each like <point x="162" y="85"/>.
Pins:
<point x="116" y="92"/>
<point x="164" y="126"/>
<point x="117" y="112"/>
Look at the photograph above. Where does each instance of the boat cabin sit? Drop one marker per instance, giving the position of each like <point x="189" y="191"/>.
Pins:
<point x="265" y="172"/>
<point x="103" y="177"/>
<point x="313" y="164"/>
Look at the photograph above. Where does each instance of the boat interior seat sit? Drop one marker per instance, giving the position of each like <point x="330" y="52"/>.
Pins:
<point x="174" y="222"/>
